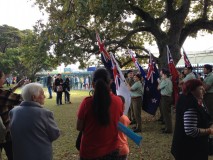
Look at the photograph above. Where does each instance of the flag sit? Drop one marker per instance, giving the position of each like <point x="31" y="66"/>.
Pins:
<point x="151" y="98"/>
<point x="186" y="60"/>
<point x="105" y="58"/>
<point x="115" y="74"/>
<point x="151" y="70"/>
<point x="121" y="87"/>
<point x="137" y="65"/>
<point x="102" y="48"/>
<point x="175" y="75"/>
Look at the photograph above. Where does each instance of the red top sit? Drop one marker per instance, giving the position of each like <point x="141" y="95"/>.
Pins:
<point x="123" y="142"/>
<point x="97" y="140"/>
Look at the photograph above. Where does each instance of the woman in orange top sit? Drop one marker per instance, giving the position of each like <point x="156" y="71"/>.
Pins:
<point x="122" y="138"/>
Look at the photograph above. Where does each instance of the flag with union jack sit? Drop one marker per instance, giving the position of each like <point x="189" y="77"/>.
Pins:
<point x="175" y="75"/>
<point x="105" y="58"/>
<point x="150" y="70"/>
<point x="121" y="87"/>
<point x="115" y="74"/>
<point x="102" y="49"/>
<point x="186" y="59"/>
<point x="151" y="98"/>
<point x="137" y="65"/>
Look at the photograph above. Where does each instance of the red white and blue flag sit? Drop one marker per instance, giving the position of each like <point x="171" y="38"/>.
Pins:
<point x="151" y="98"/>
<point x="150" y="70"/>
<point x="186" y="59"/>
<point x="102" y="49"/>
<point x="115" y="74"/>
<point x="137" y="65"/>
<point x="121" y="87"/>
<point x="105" y="58"/>
<point x="175" y="75"/>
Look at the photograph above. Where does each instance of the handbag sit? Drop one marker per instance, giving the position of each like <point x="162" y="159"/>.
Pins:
<point x="59" y="88"/>
<point x="78" y="141"/>
<point x="210" y="143"/>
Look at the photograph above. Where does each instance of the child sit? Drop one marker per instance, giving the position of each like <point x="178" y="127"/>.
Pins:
<point x="122" y="138"/>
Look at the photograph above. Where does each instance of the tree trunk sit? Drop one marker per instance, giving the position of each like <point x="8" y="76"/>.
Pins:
<point x="174" y="50"/>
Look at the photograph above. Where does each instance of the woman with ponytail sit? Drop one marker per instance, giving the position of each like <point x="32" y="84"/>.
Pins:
<point x="98" y="118"/>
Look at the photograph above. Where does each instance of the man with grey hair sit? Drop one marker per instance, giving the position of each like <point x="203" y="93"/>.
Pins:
<point x="32" y="127"/>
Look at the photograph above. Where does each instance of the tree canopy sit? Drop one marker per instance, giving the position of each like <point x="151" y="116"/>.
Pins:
<point x="24" y="53"/>
<point x="123" y="23"/>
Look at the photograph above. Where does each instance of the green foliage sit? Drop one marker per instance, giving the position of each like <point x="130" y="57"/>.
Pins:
<point x="122" y="23"/>
<point x="10" y="37"/>
<point x="26" y="52"/>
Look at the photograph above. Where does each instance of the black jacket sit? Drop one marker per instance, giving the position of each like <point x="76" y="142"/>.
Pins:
<point x="185" y="147"/>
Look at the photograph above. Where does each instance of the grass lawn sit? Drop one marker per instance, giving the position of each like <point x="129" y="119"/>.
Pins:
<point x="155" y="145"/>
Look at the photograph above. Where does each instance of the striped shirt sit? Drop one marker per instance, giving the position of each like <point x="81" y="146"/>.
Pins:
<point x="190" y="120"/>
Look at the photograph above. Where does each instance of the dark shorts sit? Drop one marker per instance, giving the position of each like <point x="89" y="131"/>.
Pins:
<point x="111" y="156"/>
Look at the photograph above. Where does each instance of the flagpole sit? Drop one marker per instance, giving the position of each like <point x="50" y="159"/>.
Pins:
<point x="168" y="51"/>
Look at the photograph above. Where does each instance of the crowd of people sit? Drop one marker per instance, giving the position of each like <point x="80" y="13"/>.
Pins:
<point x="28" y="130"/>
<point x="63" y="86"/>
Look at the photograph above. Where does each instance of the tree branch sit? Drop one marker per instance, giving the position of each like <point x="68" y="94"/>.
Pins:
<point x="88" y="31"/>
<point x="124" y="63"/>
<point x="195" y="27"/>
<point x="144" y="15"/>
<point x="177" y="20"/>
<point x="205" y="9"/>
<point x="129" y="35"/>
<point x="183" y="11"/>
<point x="169" y="9"/>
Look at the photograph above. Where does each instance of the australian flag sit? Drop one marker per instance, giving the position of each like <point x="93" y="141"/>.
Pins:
<point x="151" y="98"/>
<point x="106" y="60"/>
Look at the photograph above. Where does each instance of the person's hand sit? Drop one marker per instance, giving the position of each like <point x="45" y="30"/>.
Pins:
<point x="27" y="81"/>
<point x="211" y="131"/>
<point x="21" y="82"/>
<point x="158" y="80"/>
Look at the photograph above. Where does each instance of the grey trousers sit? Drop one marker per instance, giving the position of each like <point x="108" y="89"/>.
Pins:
<point x="137" y="107"/>
<point x="131" y="115"/>
<point x="166" y="102"/>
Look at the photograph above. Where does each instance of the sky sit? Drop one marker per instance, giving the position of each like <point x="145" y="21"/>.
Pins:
<point x="23" y="15"/>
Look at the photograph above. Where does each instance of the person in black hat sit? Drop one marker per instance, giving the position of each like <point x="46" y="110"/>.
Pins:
<point x="208" y="85"/>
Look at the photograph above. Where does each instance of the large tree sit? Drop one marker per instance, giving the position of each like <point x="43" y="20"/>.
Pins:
<point x="25" y="55"/>
<point x="123" y="23"/>
<point x="10" y="37"/>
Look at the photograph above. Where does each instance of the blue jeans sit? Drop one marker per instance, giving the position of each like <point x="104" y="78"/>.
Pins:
<point x="50" y="91"/>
